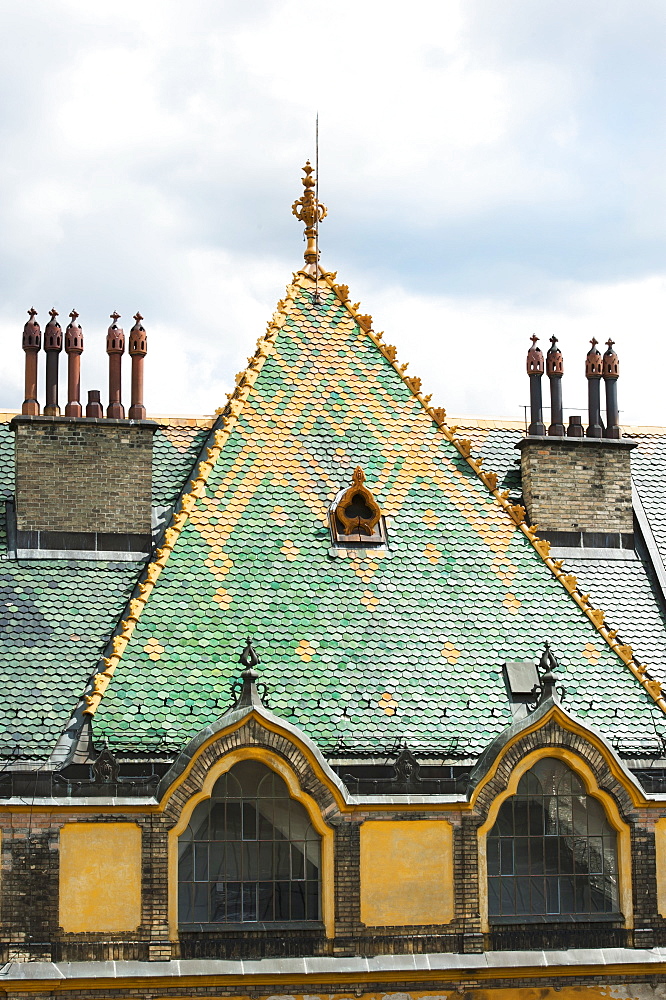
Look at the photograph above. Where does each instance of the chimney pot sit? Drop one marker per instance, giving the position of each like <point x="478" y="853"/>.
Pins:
<point x="534" y="358"/>
<point x="53" y="333"/>
<point x="74" y="335"/>
<point x="32" y="342"/>
<point x="575" y="428"/>
<point x="554" y="359"/>
<point x="611" y="371"/>
<point x="555" y="370"/>
<point x="593" y="361"/>
<point x="32" y="335"/>
<point x="73" y="349"/>
<point x="537" y="428"/>
<point x="611" y="362"/>
<point x="138" y="347"/>
<point x="593" y="371"/>
<point x="53" y="347"/>
<point x="94" y="406"/>
<point x="115" y="347"/>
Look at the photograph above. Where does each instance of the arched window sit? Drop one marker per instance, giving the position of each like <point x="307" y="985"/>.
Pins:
<point x="249" y="853"/>
<point x="552" y="851"/>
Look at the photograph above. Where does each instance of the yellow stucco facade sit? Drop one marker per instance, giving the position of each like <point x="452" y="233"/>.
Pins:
<point x="660" y="849"/>
<point x="624" y="991"/>
<point x="406" y="872"/>
<point x="100" y="877"/>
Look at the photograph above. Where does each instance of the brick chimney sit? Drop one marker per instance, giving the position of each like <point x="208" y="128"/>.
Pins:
<point x="577" y="488"/>
<point x="83" y="483"/>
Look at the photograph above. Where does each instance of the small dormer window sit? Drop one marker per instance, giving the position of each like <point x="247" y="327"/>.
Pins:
<point x="355" y="516"/>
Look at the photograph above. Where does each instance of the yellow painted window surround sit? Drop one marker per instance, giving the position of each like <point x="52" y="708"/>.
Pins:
<point x="585" y="776"/>
<point x="281" y="768"/>
<point x="249" y="853"/>
<point x="660" y="845"/>
<point x="552" y="851"/>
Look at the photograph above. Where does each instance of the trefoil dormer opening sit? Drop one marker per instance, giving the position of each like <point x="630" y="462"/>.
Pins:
<point x="356" y="518"/>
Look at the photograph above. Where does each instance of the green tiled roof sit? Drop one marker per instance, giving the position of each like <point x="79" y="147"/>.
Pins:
<point x="361" y="650"/>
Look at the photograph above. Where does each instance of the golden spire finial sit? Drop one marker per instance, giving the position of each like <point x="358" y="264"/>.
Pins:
<point x="308" y="209"/>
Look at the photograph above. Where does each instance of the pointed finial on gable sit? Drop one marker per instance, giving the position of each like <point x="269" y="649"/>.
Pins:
<point x="547" y="664"/>
<point x="248" y="695"/>
<point x="309" y="210"/>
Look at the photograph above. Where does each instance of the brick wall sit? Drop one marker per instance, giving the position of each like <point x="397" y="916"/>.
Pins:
<point x="83" y="475"/>
<point x="577" y="484"/>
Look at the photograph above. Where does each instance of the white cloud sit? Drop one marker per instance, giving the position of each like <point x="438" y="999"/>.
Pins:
<point x="489" y="169"/>
<point x="471" y="353"/>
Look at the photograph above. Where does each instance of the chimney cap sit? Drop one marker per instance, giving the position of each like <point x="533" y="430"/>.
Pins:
<point x="74" y="335"/>
<point x="554" y="359"/>
<point x="534" y="358"/>
<point x="115" y="338"/>
<point x="611" y="362"/>
<point x="593" y="362"/>
<point x="32" y="335"/>
<point x="138" y="342"/>
<point x="53" y="333"/>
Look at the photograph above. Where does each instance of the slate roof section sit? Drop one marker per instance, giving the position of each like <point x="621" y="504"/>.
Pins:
<point x="648" y="469"/>
<point x="627" y="591"/>
<point x="57" y="616"/>
<point x="176" y="446"/>
<point x="364" y="651"/>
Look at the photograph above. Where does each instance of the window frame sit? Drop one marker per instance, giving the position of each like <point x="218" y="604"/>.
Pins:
<point x="282" y="769"/>
<point x="554" y="852"/>
<point x="585" y="774"/>
<point x="242" y="827"/>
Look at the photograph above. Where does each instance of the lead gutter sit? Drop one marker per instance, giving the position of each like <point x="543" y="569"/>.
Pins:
<point x="381" y="968"/>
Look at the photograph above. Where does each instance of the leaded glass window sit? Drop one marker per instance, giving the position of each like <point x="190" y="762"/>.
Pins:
<point x="249" y="854"/>
<point x="552" y="851"/>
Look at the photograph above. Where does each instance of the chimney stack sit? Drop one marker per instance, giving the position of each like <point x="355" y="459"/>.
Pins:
<point x="83" y="483"/>
<point x="53" y="347"/>
<point x="555" y="370"/>
<point x="535" y="371"/>
<point x="138" y="346"/>
<point x="115" y="348"/>
<point x="577" y="486"/>
<point x="73" y="350"/>
<point x="593" y="371"/>
<point x="611" y="372"/>
<point x="32" y="342"/>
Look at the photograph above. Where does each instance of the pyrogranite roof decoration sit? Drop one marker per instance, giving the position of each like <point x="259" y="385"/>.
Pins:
<point x="362" y="649"/>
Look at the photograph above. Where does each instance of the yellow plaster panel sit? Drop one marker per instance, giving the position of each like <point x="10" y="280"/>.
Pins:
<point x="406" y="872"/>
<point x="660" y="846"/>
<point x="100" y="877"/>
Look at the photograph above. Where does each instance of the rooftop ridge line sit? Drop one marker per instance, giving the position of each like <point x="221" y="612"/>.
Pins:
<point x="515" y="511"/>
<point x="228" y="416"/>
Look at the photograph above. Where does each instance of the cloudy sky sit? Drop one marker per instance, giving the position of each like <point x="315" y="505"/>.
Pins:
<point x="490" y="169"/>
